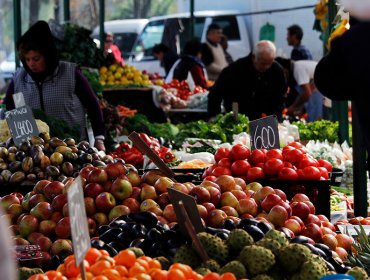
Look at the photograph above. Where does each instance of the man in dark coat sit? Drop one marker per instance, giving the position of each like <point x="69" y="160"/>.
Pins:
<point x="344" y="74"/>
<point x="256" y="82"/>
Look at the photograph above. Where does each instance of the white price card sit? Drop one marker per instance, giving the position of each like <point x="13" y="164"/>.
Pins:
<point x="78" y="220"/>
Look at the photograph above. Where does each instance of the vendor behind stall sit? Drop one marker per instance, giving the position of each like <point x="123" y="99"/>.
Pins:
<point x="56" y="87"/>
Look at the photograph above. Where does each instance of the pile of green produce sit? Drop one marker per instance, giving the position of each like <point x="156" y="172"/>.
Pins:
<point x="319" y="130"/>
<point x="223" y="127"/>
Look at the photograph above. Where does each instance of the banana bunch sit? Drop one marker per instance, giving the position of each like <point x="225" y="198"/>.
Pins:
<point x="335" y="201"/>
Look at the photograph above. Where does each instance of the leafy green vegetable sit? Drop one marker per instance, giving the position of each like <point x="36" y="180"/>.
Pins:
<point x="319" y="130"/>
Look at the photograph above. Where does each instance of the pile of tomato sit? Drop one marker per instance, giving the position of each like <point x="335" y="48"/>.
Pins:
<point x="289" y="163"/>
<point x="182" y="89"/>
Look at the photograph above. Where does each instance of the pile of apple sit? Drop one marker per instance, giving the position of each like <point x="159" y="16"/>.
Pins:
<point x="289" y="163"/>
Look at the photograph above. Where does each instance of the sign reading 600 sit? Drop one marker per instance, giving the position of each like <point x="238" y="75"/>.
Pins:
<point x="264" y="133"/>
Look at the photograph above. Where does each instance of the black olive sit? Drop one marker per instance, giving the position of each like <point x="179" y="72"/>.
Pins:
<point x="110" y="235"/>
<point x="228" y="224"/>
<point x="124" y="239"/>
<point x="118" y="246"/>
<point x="264" y="227"/>
<point x="139" y="230"/>
<point x="301" y="239"/>
<point x="254" y="231"/>
<point x="117" y="223"/>
<point x="247" y="221"/>
<point x="154" y="235"/>
<point x="103" y="229"/>
<point x="97" y="243"/>
<point x="325" y="248"/>
<point x="136" y="242"/>
<point x="112" y="252"/>
<point x="148" y="218"/>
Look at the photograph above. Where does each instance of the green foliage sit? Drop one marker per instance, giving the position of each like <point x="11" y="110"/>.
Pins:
<point x="319" y="130"/>
<point x="93" y="78"/>
<point x="79" y="47"/>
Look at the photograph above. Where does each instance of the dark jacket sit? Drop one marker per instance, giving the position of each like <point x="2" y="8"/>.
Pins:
<point x="192" y="65"/>
<point x="344" y="74"/>
<point x="255" y="93"/>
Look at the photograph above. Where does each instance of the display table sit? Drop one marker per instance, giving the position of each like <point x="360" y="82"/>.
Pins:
<point x="140" y="99"/>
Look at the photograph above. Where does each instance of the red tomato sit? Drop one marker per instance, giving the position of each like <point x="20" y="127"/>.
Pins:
<point x="240" y="167"/>
<point x="257" y="156"/>
<point x="222" y="153"/>
<point x="255" y="174"/>
<point x="239" y="151"/>
<point x="311" y="173"/>
<point x="208" y="171"/>
<point x="326" y="164"/>
<point x="219" y="170"/>
<point x="224" y="162"/>
<point x="288" y="164"/>
<point x="274" y="153"/>
<point x="294" y="156"/>
<point x="210" y="178"/>
<point x="297" y="145"/>
<point x="287" y="149"/>
<point x="307" y="161"/>
<point x="273" y="166"/>
<point x="324" y="172"/>
<point x="287" y="173"/>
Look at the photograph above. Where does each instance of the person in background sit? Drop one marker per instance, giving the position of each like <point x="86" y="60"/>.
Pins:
<point x="190" y="63"/>
<point x="224" y="43"/>
<point x="212" y="52"/>
<point x="309" y="100"/>
<point x="166" y="57"/>
<point x="111" y="48"/>
<point x="294" y="38"/>
<point x="256" y="82"/>
<point x="56" y="87"/>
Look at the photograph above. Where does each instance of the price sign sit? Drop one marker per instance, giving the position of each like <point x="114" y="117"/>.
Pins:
<point x="351" y="229"/>
<point x="190" y="207"/>
<point x="21" y="123"/>
<point x="7" y="261"/>
<point x="79" y="228"/>
<point x="264" y="133"/>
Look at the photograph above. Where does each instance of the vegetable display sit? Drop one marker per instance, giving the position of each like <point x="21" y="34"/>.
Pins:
<point x="319" y="130"/>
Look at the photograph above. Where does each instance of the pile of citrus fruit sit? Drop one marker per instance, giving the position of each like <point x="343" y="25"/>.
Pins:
<point x="125" y="265"/>
<point x="126" y="75"/>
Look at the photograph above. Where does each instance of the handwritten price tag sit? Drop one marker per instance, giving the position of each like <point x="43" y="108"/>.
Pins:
<point x="264" y="133"/>
<point x="79" y="228"/>
<point x="21" y="123"/>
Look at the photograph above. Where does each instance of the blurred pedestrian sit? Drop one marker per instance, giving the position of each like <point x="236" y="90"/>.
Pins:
<point x="166" y="56"/>
<point x="111" y="49"/>
<point x="225" y="44"/>
<point x="294" y="38"/>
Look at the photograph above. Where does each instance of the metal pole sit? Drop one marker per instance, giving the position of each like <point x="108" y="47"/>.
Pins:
<point x="67" y="14"/>
<point x="359" y="167"/>
<point x="101" y="22"/>
<point x="192" y="19"/>
<point x="17" y="27"/>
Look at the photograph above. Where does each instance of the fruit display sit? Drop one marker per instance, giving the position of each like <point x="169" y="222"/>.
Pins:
<point x="122" y="76"/>
<point x="181" y="89"/>
<point x="5" y="132"/>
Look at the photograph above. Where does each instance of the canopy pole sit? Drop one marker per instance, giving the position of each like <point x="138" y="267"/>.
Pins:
<point x="101" y="22"/>
<point x="17" y="27"/>
<point x="67" y="14"/>
<point x="192" y="19"/>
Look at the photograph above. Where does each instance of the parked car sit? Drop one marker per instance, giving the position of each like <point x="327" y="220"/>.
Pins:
<point x="234" y="27"/>
<point x="7" y="67"/>
<point x="125" y="33"/>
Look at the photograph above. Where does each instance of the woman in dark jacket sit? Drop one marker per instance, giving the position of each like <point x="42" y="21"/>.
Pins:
<point x="190" y="63"/>
<point x="56" y="87"/>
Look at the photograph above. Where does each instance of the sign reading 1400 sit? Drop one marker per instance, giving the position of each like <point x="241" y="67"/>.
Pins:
<point x="21" y="123"/>
<point x="264" y="133"/>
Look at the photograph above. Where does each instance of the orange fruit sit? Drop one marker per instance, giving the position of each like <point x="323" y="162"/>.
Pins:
<point x="176" y="274"/>
<point x="144" y="263"/>
<point x="158" y="274"/>
<point x="122" y="270"/>
<point x="104" y="252"/>
<point x="154" y="264"/>
<point x="187" y="270"/>
<point x="136" y="269"/>
<point x="211" y="276"/>
<point x="53" y="273"/>
<point x="72" y="270"/>
<point x="143" y="276"/>
<point x="100" y="277"/>
<point x="111" y="274"/>
<point x="68" y="259"/>
<point x="62" y="268"/>
<point x="107" y="258"/>
<point x="92" y="255"/>
<point x="228" y="276"/>
<point x="126" y="258"/>
<point x="38" y="276"/>
<point x="98" y="267"/>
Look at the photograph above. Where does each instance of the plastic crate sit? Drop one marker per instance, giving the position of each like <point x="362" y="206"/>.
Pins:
<point x="317" y="191"/>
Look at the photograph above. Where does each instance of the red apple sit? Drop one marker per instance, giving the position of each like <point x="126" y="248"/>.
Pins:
<point x="270" y="201"/>
<point x="162" y="183"/>
<point x="42" y="210"/>
<point x="132" y="204"/>
<point x="65" y="210"/>
<point x="44" y="243"/>
<point x="107" y="186"/>
<point x="26" y="201"/>
<point x="134" y="177"/>
<point x="117" y="211"/>
<point x="281" y="194"/>
<point x="97" y="175"/>
<point x="299" y="220"/>
<point x="260" y="195"/>
<point x="33" y="236"/>
<point x="323" y="218"/>
<point x="28" y="224"/>
<point x="180" y="187"/>
<point x="254" y="186"/>
<point x="313" y="231"/>
<point x="342" y="253"/>
<point x="63" y="228"/>
<point x="52" y="189"/>
<point x="121" y="188"/>
<point x="293" y="225"/>
<point x="20" y="241"/>
<point x="115" y="170"/>
<point x="311" y="206"/>
<point x="59" y="201"/>
<point x="147" y="191"/>
<point x="203" y="212"/>
<point x="136" y="193"/>
<point x="300" y="197"/>
<point x="209" y="206"/>
<point x="247" y="206"/>
<point x="241" y="182"/>
<point x="330" y="240"/>
<point x="169" y="213"/>
<point x="207" y="184"/>
<point x="56" y="216"/>
<point x="90" y="206"/>
<point x="84" y="172"/>
<point x="300" y="209"/>
<point x="200" y="194"/>
<point x="215" y="194"/>
<point x="344" y="241"/>
<point x="215" y="218"/>
<point x="156" y="210"/>
<point x="277" y="215"/>
<point x="151" y="176"/>
<point x="147" y="204"/>
<point x="15" y="210"/>
<point x="93" y="189"/>
<point x="239" y="194"/>
<point x="47" y="227"/>
<point x="105" y="202"/>
<point x="61" y="247"/>
<point x="101" y="219"/>
<point x="227" y="198"/>
<point x="91" y="226"/>
<point x="36" y="198"/>
<point x="226" y="183"/>
<point x="230" y="211"/>
<point x="8" y="200"/>
<point x="311" y="218"/>
<point x="39" y="186"/>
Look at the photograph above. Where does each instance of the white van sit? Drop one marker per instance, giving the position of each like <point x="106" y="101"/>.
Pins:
<point x="234" y="27"/>
<point x="125" y="32"/>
